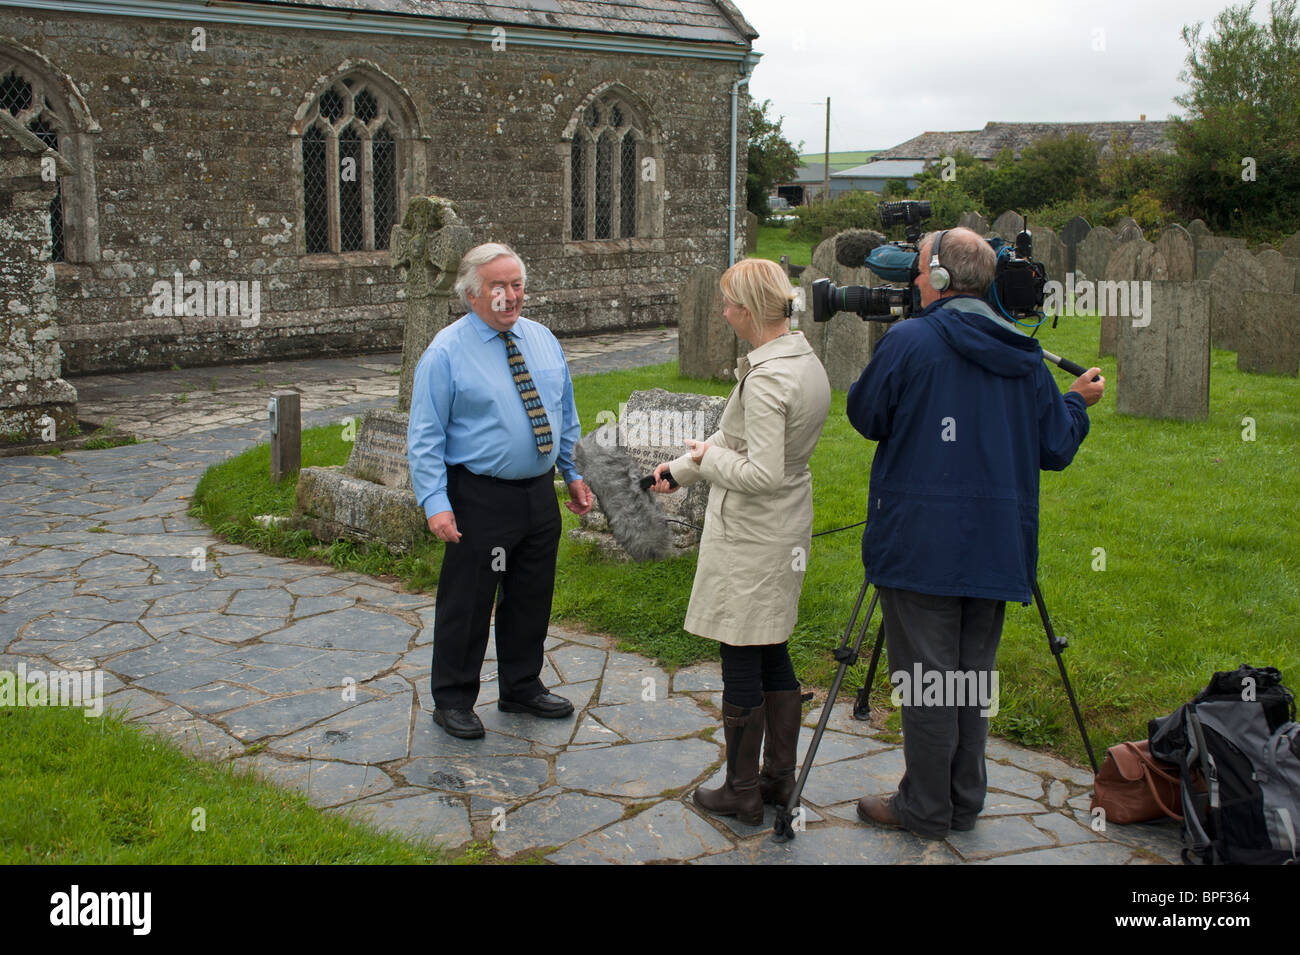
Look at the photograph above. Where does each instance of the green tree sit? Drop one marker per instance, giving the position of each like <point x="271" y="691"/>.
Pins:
<point x="771" y="158"/>
<point x="1238" y="148"/>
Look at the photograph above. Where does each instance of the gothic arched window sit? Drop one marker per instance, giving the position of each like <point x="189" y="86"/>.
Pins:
<point x="612" y="172"/>
<point x="39" y="104"/>
<point x="351" y="168"/>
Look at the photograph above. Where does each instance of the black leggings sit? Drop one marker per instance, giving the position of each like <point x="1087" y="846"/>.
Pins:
<point x="748" y="671"/>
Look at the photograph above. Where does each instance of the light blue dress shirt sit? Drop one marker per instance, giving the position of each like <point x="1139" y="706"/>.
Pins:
<point x="466" y="409"/>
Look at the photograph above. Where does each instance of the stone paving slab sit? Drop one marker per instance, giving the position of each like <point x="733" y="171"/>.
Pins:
<point x="318" y="679"/>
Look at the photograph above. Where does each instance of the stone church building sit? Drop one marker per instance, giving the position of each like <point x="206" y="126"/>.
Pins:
<point x="228" y="174"/>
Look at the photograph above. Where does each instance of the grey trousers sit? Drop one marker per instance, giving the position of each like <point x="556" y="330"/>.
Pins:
<point x="944" y="782"/>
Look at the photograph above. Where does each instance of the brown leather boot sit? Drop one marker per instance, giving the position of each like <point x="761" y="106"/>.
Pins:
<point x="780" y="745"/>
<point x="739" y="796"/>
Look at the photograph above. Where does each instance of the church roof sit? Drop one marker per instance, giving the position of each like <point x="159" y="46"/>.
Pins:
<point x="710" y="21"/>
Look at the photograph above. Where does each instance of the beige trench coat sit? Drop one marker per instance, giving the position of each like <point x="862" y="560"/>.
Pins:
<point x="758" y="527"/>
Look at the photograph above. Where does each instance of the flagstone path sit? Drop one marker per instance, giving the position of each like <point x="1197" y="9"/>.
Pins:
<point x="318" y="679"/>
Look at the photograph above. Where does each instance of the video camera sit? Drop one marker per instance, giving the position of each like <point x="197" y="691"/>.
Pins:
<point x="1016" y="292"/>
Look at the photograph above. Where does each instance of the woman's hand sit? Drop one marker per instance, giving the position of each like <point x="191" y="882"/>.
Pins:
<point x="661" y="485"/>
<point x="698" y="449"/>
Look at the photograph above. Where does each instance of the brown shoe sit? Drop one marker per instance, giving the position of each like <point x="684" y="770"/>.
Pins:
<point x="784" y="709"/>
<point x="739" y="796"/>
<point x="877" y="811"/>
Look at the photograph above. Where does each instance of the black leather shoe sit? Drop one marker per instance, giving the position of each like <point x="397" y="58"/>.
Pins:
<point x="546" y="705"/>
<point x="463" y="724"/>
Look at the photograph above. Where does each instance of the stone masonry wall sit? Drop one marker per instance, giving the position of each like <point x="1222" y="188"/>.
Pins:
<point x="195" y="169"/>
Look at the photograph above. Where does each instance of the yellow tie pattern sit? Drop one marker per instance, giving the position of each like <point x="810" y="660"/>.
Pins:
<point x="532" y="400"/>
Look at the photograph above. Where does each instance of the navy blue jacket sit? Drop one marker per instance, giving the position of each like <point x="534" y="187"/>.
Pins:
<point x="966" y="413"/>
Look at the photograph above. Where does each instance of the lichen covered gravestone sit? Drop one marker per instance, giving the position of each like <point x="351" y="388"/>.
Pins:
<point x="706" y="345"/>
<point x="1270" y="334"/>
<point x="652" y="428"/>
<point x="1235" y="273"/>
<point x="1163" y="361"/>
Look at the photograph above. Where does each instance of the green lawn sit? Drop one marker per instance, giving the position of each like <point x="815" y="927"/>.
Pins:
<point x="773" y="243"/>
<point x="97" y="791"/>
<point x="1198" y="526"/>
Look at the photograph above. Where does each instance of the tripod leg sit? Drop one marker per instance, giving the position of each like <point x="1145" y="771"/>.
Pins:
<point x="862" y="705"/>
<point x="783" y="826"/>
<point x="1057" y="645"/>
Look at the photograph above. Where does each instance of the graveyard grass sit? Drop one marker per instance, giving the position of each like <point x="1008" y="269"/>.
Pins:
<point x="96" y="791"/>
<point x="1194" y="526"/>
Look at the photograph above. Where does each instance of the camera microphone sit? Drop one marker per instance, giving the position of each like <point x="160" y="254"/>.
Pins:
<point x="852" y="246"/>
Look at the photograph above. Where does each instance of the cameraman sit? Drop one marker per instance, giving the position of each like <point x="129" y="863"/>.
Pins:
<point x="965" y="413"/>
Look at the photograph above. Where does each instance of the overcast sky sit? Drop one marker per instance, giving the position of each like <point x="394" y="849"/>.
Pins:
<point x="957" y="64"/>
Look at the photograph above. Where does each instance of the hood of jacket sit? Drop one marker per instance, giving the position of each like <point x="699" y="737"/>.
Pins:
<point x="967" y="325"/>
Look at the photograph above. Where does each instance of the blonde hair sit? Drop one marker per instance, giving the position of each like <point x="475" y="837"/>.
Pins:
<point x="761" y="288"/>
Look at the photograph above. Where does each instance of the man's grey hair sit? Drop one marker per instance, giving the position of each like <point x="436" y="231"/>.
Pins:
<point x="467" y="276"/>
<point x="970" y="261"/>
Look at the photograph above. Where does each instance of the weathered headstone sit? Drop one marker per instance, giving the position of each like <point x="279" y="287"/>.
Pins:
<point x="1198" y="230"/>
<point x="1279" y="271"/>
<point x="706" y="345"/>
<point x="973" y="221"/>
<point x="1235" y="273"/>
<point x="1008" y="225"/>
<point x="428" y="247"/>
<point x="814" y="331"/>
<point x="1176" y="245"/>
<point x="1049" y="250"/>
<point x="1094" y="253"/>
<point x="751" y="233"/>
<point x="286" y="433"/>
<point x="36" y="403"/>
<point x="1127" y="229"/>
<point x="1270" y="334"/>
<point x="1129" y="265"/>
<point x="1209" y="249"/>
<point x="652" y="428"/>
<point x="1163" y="361"/>
<point x="1291" y="247"/>
<point x="371" y="498"/>
<point x="1074" y="232"/>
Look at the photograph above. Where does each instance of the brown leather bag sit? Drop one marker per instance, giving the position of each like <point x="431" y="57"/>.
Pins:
<point x="1134" y="786"/>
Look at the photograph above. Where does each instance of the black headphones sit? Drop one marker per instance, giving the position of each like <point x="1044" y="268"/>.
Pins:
<point x="939" y="277"/>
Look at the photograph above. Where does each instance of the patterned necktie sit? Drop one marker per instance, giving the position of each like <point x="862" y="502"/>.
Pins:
<point x="532" y="400"/>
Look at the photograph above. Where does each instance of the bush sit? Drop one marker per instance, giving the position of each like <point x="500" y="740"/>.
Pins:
<point x="853" y="210"/>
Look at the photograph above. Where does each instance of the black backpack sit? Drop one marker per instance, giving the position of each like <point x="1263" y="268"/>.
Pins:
<point x="1237" y="747"/>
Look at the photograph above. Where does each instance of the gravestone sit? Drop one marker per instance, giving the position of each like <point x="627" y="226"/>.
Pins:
<point x="36" y="402"/>
<point x="427" y="247"/>
<point x="1270" y="334"/>
<point x="1131" y="262"/>
<point x="1008" y="225"/>
<point x="1075" y="231"/>
<point x="652" y="428"/>
<point x="848" y="339"/>
<point x="1051" y="251"/>
<point x="815" y="332"/>
<point x="751" y="233"/>
<point x="1279" y="271"/>
<point x="1210" y="249"/>
<point x="973" y="221"/>
<point x="1094" y="253"/>
<point x="1179" y="252"/>
<point x="1291" y="247"/>
<point x="371" y="498"/>
<point x="1198" y="230"/>
<point x="1235" y="274"/>
<point x="1127" y="229"/>
<point x="706" y="345"/>
<point x="1163" y="367"/>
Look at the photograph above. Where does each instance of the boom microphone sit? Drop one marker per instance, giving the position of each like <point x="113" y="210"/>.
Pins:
<point x="852" y="246"/>
<point x="634" y="516"/>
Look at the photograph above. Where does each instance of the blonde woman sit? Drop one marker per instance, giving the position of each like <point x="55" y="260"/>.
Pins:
<point x="756" y="536"/>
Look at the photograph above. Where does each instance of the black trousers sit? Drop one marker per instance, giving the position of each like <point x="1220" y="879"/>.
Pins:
<point x="510" y="534"/>
<point x="944" y="780"/>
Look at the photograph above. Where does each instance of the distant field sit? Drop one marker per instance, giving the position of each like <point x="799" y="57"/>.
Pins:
<point x="844" y="160"/>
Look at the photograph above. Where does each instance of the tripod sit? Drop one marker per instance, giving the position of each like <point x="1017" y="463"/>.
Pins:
<point x="783" y="827"/>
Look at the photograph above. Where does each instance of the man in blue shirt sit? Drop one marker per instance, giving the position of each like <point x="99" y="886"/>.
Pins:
<point x="492" y="415"/>
<point x="965" y="413"/>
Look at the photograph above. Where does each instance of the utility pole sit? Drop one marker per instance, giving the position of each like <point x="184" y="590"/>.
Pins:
<point x="826" y="168"/>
